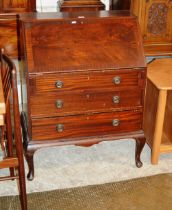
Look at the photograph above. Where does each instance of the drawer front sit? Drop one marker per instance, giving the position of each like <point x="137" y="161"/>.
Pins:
<point x="89" y="80"/>
<point x="66" y="128"/>
<point x="69" y="103"/>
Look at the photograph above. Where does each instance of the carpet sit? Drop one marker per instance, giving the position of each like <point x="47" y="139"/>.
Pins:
<point x="71" y="166"/>
<point x="147" y="193"/>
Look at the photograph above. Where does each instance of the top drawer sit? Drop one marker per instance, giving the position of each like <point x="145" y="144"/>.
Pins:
<point x="88" y="80"/>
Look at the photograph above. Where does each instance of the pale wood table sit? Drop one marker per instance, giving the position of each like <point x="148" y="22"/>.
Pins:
<point x="158" y="107"/>
<point x="2" y="104"/>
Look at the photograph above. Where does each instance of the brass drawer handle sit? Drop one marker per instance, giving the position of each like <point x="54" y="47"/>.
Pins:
<point x="116" y="99"/>
<point x="59" y="84"/>
<point x="59" y="104"/>
<point x="115" y="122"/>
<point x="60" y="128"/>
<point x="117" y="80"/>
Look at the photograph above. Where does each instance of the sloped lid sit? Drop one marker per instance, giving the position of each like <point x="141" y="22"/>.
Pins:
<point x="87" y="41"/>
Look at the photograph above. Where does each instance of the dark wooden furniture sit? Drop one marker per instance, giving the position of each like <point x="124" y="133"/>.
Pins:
<point x="8" y="6"/>
<point x="155" y="18"/>
<point x="158" y="108"/>
<point x="8" y="23"/>
<point x="9" y="34"/>
<point x="13" y="157"/>
<point x="81" y="5"/>
<point x="85" y="80"/>
<point x="120" y="4"/>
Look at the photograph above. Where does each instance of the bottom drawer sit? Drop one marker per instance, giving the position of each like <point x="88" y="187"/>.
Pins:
<point x="86" y="125"/>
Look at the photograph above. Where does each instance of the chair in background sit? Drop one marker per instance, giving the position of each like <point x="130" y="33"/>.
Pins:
<point x="11" y="142"/>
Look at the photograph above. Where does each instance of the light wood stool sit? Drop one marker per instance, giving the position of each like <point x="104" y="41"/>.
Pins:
<point x="158" y="108"/>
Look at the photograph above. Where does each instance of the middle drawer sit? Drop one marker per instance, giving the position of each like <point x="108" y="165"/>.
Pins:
<point x="71" y="103"/>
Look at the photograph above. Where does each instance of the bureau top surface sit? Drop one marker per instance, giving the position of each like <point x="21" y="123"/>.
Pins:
<point x="160" y="73"/>
<point x="82" y="41"/>
<point x="46" y="16"/>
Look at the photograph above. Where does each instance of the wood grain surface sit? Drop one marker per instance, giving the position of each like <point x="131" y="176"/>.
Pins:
<point x="85" y="79"/>
<point x="120" y="47"/>
<point x="81" y="5"/>
<point x="86" y="125"/>
<point x="88" y="80"/>
<point x="160" y="73"/>
<point x="9" y="37"/>
<point x="8" y="34"/>
<point x="85" y="102"/>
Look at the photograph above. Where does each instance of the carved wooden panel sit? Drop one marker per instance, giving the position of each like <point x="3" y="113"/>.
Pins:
<point x="157" y="18"/>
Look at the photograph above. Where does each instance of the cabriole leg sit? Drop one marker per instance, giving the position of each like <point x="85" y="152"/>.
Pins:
<point x="29" y="159"/>
<point x="140" y="142"/>
<point x="28" y="154"/>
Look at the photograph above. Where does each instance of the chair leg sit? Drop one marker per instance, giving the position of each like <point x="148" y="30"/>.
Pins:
<point x="22" y="187"/>
<point x="21" y="174"/>
<point x="21" y="171"/>
<point x="9" y="135"/>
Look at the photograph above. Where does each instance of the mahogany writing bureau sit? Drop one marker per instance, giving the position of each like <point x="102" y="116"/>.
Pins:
<point x="85" y="80"/>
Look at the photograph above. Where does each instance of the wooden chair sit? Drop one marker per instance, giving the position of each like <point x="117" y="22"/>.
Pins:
<point x="11" y="142"/>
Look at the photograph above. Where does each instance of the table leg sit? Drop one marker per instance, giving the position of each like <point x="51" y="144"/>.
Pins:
<point x="159" y="126"/>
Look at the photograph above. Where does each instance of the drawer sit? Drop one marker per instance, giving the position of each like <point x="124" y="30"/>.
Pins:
<point x="88" y="80"/>
<point x="71" y="103"/>
<point x="70" y="127"/>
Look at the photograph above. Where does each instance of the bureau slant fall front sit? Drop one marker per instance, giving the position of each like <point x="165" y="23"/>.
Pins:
<point x="85" y="80"/>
